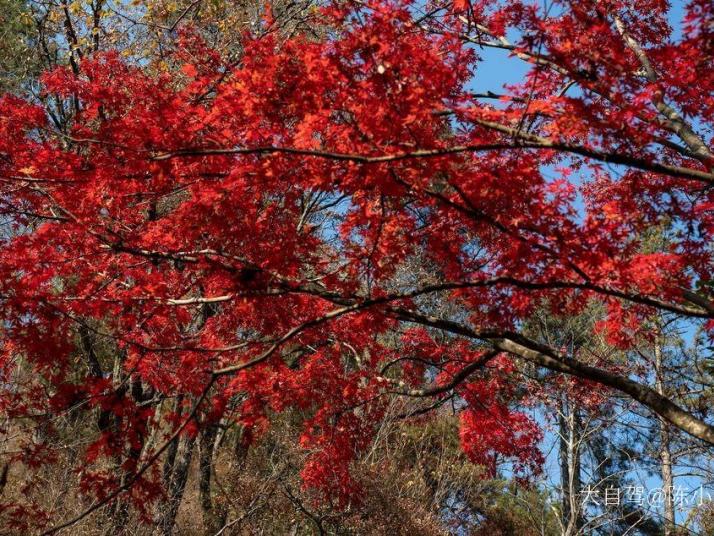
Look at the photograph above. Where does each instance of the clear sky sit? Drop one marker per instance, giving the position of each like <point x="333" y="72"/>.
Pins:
<point x="500" y="68"/>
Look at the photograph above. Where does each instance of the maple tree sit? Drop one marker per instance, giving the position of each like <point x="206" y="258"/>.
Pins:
<point x="241" y="236"/>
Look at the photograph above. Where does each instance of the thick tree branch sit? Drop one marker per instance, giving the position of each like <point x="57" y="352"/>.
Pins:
<point x="679" y="126"/>
<point x="546" y="357"/>
<point x="670" y="119"/>
<point x="529" y="142"/>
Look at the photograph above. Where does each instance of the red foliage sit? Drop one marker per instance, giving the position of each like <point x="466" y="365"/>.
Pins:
<point x="174" y="217"/>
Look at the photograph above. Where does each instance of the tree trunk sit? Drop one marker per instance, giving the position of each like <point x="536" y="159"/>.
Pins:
<point x="211" y="518"/>
<point x="575" y="429"/>
<point x="176" y="485"/>
<point x="175" y="475"/>
<point x="564" y="465"/>
<point x="569" y="426"/>
<point x="122" y="506"/>
<point x="665" y="448"/>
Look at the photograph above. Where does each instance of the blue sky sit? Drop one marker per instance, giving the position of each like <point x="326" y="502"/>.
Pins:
<point x="497" y="69"/>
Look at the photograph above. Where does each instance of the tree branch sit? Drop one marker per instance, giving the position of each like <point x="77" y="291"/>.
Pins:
<point x="546" y="357"/>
